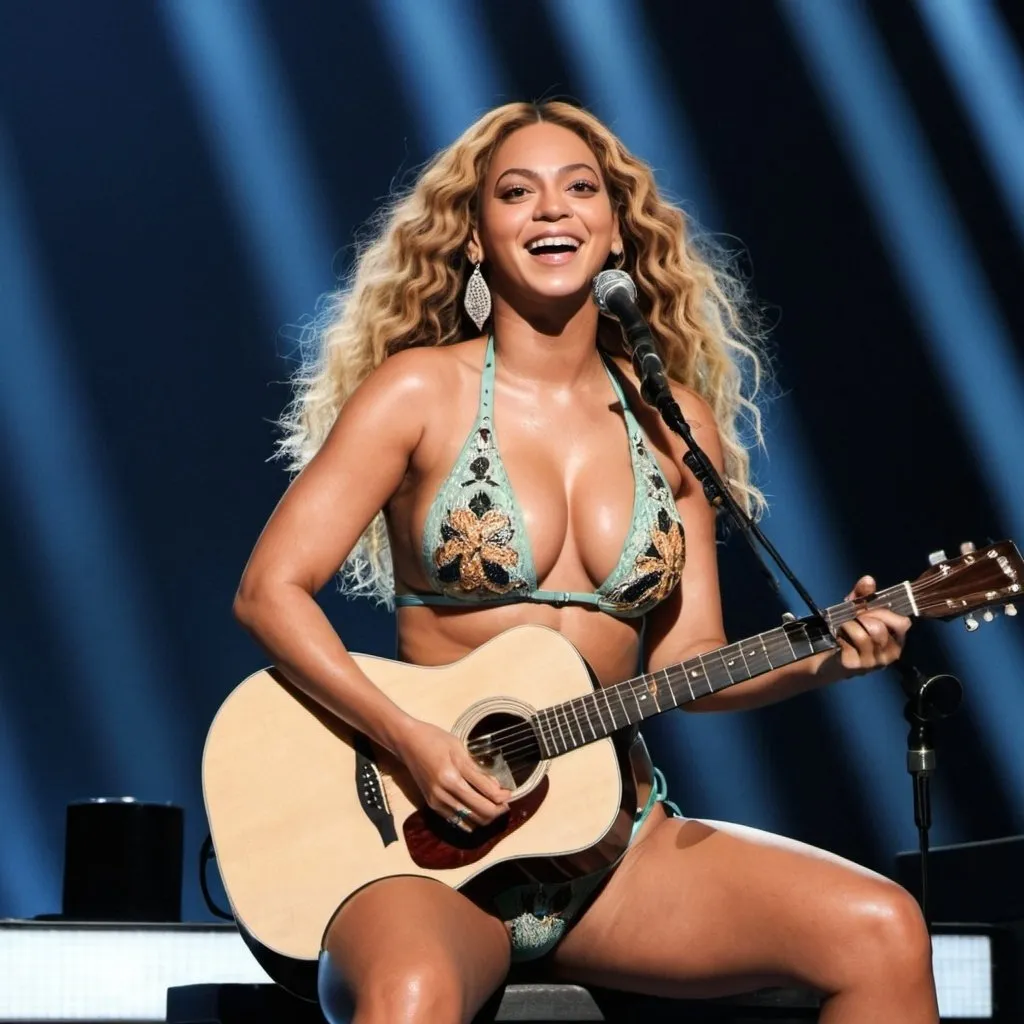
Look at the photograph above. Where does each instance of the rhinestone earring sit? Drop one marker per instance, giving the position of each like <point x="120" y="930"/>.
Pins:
<point x="477" y="299"/>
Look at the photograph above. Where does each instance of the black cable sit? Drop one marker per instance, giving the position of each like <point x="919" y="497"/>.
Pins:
<point x="206" y="854"/>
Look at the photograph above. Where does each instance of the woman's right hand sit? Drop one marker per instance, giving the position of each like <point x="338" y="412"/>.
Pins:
<point x="452" y="783"/>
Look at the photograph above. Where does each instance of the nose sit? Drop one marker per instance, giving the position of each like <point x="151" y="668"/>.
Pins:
<point x="552" y="204"/>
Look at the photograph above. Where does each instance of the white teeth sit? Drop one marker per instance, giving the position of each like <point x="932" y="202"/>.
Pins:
<point x="539" y="243"/>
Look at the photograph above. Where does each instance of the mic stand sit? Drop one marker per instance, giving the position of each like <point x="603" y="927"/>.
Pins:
<point x="928" y="701"/>
<point x="655" y="390"/>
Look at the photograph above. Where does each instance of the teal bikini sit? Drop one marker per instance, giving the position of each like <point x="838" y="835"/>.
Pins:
<point x="476" y="550"/>
<point x="475" y="547"/>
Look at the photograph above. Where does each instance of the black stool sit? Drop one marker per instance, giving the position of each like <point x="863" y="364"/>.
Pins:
<point x="539" y="1002"/>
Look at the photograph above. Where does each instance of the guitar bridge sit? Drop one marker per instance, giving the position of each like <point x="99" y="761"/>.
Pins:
<point x="370" y="789"/>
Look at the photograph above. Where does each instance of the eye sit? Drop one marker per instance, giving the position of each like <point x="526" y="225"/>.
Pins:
<point x="582" y="185"/>
<point x="514" y="192"/>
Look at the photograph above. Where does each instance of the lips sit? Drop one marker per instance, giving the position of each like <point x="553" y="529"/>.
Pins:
<point x="545" y="244"/>
<point x="554" y="250"/>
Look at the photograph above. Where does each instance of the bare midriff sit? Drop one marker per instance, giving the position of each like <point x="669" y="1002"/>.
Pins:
<point x="439" y="636"/>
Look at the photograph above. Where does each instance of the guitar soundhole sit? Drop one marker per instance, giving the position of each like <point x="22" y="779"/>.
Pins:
<point x="505" y="746"/>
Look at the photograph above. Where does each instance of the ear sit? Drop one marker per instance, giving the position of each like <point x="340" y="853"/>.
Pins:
<point x="617" y="246"/>
<point x="474" y="248"/>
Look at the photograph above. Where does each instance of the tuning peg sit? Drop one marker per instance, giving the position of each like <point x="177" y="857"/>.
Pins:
<point x="988" y="614"/>
<point x="971" y="622"/>
<point x="788" y="617"/>
<point x="1010" y="609"/>
<point x="967" y="547"/>
<point x="936" y="556"/>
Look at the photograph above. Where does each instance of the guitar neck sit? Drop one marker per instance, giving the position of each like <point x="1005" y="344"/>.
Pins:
<point x="564" y="727"/>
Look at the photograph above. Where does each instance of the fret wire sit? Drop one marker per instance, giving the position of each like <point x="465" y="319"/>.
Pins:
<point x="764" y="648"/>
<point x="568" y="723"/>
<point x="712" y="670"/>
<point x="636" y="700"/>
<point x="746" y="667"/>
<point x="720" y="652"/>
<point x="646" y="681"/>
<point x="546" y="731"/>
<point x="558" y="725"/>
<point x="686" y="676"/>
<point x="654" y="689"/>
<point x="671" y="690"/>
<point x="608" y="705"/>
<point x="538" y="728"/>
<point x="785" y="633"/>
<point x="553" y="718"/>
<point x="597" y="708"/>
<point x="585" y="702"/>
<point x="707" y="679"/>
<point x="732" y="661"/>
<point x="618" y="693"/>
<point x="579" y="725"/>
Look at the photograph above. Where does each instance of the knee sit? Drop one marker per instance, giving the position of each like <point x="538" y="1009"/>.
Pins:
<point x="891" y="934"/>
<point x="410" y="993"/>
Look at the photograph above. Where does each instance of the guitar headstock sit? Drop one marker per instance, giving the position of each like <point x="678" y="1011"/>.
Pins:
<point x="985" y="578"/>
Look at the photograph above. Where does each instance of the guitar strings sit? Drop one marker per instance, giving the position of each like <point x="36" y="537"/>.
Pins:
<point x="547" y="730"/>
<point x="517" y="737"/>
<point x="523" y="736"/>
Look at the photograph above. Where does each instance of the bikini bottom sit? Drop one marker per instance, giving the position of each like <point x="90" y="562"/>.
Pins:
<point x="534" y="926"/>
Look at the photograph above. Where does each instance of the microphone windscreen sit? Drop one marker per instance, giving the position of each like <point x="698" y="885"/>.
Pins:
<point x="609" y="281"/>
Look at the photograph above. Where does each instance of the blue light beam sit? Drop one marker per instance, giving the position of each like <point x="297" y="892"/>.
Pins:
<point x="986" y="71"/>
<point x="242" y="102"/>
<point x="966" y="335"/>
<point x="441" y="54"/>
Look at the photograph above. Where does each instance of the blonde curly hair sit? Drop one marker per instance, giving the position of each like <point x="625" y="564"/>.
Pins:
<point x="408" y="278"/>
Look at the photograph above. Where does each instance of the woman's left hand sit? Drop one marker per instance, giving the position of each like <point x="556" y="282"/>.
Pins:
<point x="872" y="640"/>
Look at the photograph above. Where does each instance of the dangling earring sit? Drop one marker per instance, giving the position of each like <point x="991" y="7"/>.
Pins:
<point x="620" y="258"/>
<point x="477" y="299"/>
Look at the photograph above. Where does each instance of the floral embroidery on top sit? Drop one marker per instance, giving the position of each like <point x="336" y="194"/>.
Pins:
<point x="476" y="555"/>
<point x="658" y="568"/>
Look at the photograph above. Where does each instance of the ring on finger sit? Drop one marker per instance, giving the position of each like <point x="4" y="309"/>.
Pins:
<point x="458" y="819"/>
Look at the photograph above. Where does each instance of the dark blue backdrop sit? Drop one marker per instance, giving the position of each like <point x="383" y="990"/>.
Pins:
<point x="180" y="180"/>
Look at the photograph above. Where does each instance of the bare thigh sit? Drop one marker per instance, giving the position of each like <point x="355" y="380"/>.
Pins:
<point x="709" y="908"/>
<point x="412" y="949"/>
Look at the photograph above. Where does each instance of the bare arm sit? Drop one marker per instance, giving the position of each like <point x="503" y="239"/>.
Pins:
<point x="313" y="529"/>
<point x="360" y="466"/>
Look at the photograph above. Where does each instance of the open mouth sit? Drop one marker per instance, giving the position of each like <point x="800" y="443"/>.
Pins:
<point x="556" y="249"/>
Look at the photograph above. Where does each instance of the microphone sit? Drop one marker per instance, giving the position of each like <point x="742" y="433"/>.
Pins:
<point x="615" y="294"/>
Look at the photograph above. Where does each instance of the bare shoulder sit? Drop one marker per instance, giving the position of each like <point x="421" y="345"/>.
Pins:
<point x="411" y="382"/>
<point x="422" y="370"/>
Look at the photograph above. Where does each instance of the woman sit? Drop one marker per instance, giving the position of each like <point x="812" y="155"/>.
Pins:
<point x="495" y="477"/>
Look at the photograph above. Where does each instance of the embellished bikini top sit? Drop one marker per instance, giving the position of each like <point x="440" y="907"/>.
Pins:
<point x="475" y="547"/>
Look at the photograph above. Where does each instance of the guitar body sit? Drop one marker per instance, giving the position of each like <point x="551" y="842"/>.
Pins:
<point x="304" y="812"/>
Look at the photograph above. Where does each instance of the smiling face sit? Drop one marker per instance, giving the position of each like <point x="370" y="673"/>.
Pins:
<point x="546" y="221"/>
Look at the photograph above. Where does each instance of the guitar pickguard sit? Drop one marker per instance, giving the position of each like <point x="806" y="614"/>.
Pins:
<point x="434" y="845"/>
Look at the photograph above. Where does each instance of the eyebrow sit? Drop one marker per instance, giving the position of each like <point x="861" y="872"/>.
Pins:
<point x="526" y="173"/>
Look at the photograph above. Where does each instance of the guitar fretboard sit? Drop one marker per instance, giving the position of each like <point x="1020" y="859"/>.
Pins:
<point x="564" y="727"/>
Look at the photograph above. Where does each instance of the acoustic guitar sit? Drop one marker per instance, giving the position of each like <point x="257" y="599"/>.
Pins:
<point x="304" y="811"/>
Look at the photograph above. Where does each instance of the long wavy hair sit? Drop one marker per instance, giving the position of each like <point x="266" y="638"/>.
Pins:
<point x="409" y="274"/>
